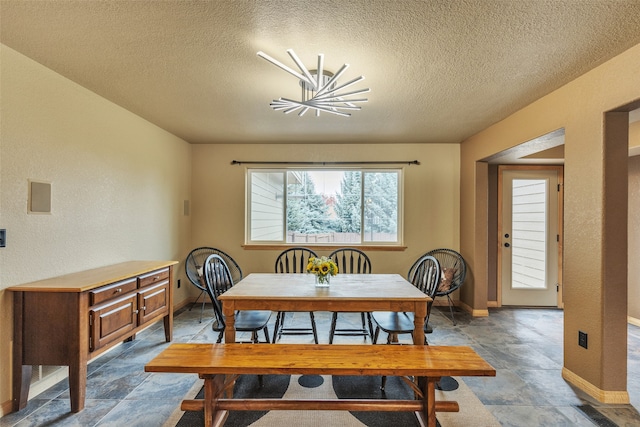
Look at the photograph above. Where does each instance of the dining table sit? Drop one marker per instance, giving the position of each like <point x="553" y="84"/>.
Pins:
<point x="346" y="293"/>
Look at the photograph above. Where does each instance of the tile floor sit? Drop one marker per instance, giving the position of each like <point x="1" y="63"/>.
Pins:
<point x="524" y="345"/>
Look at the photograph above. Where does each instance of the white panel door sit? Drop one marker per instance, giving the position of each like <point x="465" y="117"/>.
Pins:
<point x="529" y="237"/>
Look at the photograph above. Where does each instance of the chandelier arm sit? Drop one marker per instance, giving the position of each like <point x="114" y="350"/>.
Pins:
<point x="336" y="100"/>
<point x="338" y="107"/>
<point x="300" y="65"/>
<point x="339" y="104"/>
<point x="285" y="68"/>
<point x="304" y="110"/>
<point x="351" y="104"/>
<point x="333" y="78"/>
<point x="317" y="107"/>
<point x="320" y="70"/>
<point x="351" y="101"/>
<point x="346" y="85"/>
<point x="338" y="113"/>
<point x="279" y="106"/>
<point x="292" y="109"/>
<point x="334" y="95"/>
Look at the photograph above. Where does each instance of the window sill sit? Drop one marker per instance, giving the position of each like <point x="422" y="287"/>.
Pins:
<point x="315" y="246"/>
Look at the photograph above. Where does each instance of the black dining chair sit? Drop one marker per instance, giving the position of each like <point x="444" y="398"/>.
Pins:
<point x="218" y="280"/>
<point x="193" y="267"/>
<point x="425" y="275"/>
<point x="294" y="260"/>
<point x="351" y="261"/>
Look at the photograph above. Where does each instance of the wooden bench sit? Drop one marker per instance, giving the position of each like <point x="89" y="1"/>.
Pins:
<point x="220" y="364"/>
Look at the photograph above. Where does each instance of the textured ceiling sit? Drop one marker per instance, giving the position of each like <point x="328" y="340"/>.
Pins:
<point x="439" y="71"/>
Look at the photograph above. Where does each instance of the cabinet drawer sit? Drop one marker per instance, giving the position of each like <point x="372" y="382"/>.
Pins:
<point x="112" y="320"/>
<point x="153" y="277"/>
<point x="117" y="289"/>
<point x="153" y="301"/>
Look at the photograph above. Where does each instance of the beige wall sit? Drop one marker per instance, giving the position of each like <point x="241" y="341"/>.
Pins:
<point x="431" y="215"/>
<point x="595" y="302"/>
<point x="634" y="226"/>
<point x="118" y="185"/>
<point x="634" y="238"/>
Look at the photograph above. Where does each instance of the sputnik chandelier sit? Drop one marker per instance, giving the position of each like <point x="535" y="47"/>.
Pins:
<point x="319" y="89"/>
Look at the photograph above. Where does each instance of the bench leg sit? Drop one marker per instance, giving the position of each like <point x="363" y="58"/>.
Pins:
<point x="429" y="399"/>
<point x="213" y="386"/>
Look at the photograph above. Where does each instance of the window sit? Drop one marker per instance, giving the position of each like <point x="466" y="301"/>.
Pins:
<point x="354" y="206"/>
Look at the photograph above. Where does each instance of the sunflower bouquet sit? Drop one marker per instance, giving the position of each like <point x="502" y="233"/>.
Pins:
<point x="323" y="268"/>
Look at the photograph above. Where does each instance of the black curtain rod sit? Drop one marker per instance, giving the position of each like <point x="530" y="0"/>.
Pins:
<point x="408" y="162"/>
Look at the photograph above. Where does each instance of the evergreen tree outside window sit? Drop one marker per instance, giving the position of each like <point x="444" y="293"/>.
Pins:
<point x="318" y="206"/>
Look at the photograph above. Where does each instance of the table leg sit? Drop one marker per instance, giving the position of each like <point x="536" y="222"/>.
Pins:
<point x="419" y="317"/>
<point x="21" y="373"/>
<point x="168" y="319"/>
<point x="77" y="384"/>
<point x="168" y="327"/>
<point x="21" y="383"/>
<point x="229" y="316"/>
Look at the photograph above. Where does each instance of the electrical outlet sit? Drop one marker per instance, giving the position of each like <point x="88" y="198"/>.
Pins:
<point x="178" y="283"/>
<point x="582" y="339"/>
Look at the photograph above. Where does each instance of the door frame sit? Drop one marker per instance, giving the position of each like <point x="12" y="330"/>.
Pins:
<point x="560" y="170"/>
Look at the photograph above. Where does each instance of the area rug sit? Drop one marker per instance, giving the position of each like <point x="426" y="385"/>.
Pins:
<point x="472" y="412"/>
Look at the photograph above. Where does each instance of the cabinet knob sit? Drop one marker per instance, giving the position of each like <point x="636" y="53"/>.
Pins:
<point x="118" y="290"/>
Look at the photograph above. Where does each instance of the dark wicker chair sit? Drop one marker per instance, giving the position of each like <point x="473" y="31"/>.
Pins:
<point x="450" y="259"/>
<point x="218" y="280"/>
<point x="193" y="268"/>
<point x="351" y="261"/>
<point x="293" y="260"/>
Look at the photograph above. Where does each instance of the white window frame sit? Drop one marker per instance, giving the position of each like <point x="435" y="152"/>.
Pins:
<point x="281" y="241"/>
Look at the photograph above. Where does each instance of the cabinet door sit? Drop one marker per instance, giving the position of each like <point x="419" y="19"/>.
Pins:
<point x="112" y="320"/>
<point x="153" y="302"/>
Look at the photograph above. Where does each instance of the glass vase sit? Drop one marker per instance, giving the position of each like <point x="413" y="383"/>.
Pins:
<point x="322" y="281"/>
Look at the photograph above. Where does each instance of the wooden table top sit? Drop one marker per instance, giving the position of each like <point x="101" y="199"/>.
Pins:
<point x="321" y="359"/>
<point x="301" y="286"/>
<point x="94" y="278"/>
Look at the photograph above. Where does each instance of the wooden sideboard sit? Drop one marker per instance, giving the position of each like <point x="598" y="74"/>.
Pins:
<point x="71" y="319"/>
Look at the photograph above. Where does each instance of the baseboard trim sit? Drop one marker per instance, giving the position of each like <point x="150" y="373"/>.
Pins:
<point x="603" y="396"/>
<point x="473" y="311"/>
<point x="443" y="303"/>
<point x="6" y="408"/>
<point x="492" y="304"/>
<point x="633" y="320"/>
<point x="182" y="304"/>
